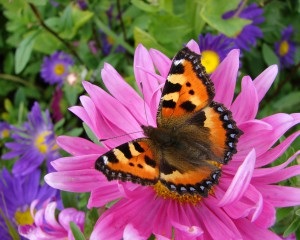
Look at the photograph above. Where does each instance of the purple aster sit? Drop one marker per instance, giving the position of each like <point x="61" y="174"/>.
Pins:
<point x="17" y="193"/>
<point x="251" y="32"/>
<point x="32" y="143"/>
<point x="56" y="67"/>
<point x="213" y="50"/>
<point x="82" y="4"/>
<point x="4" y="130"/>
<point x="286" y="48"/>
<point x="107" y="44"/>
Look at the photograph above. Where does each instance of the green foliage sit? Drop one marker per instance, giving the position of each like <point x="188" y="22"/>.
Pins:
<point x="109" y="31"/>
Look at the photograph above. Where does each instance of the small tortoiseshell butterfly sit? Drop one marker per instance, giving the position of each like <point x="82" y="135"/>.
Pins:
<point x="194" y="136"/>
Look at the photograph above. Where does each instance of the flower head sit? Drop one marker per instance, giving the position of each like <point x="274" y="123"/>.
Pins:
<point x="286" y="48"/>
<point x="4" y="130"/>
<point x="251" y="32"/>
<point x="243" y="202"/>
<point x="32" y="143"/>
<point x="46" y="226"/>
<point x="56" y="67"/>
<point x="16" y="196"/>
<point x="213" y="50"/>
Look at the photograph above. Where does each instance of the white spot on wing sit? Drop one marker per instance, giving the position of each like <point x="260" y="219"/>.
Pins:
<point x="105" y="160"/>
<point x="177" y="62"/>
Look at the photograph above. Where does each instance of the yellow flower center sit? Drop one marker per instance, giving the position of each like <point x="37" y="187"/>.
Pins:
<point x="110" y="40"/>
<point x="165" y="193"/>
<point x="5" y="133"/>
<point x="210" y="60"/>
<point x="284" y="48"/>
<point x="24" y="218"/>
<point x="40" y="142"/>
<point x="59" y="69"/>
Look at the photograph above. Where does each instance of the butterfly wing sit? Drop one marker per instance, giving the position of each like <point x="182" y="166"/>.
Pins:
<point x="206" y="131"/>
<point x="132" y="161"/>
<point x="187" y="89"/>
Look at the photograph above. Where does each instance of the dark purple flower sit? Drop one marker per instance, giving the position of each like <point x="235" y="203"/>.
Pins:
<point x="213" y="50"/>
<point x="17" y="193"/>
<point x="4" y="130"/>
<point x="286" y="48"/>
<point x="33" y="143"/>
<point x="251" y="32"/>
<point x="82" y="4"/>
<point x="56" y="67"/>
<point x="108" y="43"/>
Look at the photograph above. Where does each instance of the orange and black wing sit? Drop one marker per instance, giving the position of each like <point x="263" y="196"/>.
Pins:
<point x="132" y="161"/>
<point x="188" y="87"/>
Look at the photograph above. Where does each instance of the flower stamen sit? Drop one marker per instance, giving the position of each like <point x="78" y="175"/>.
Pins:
<point x="24" y="218"/>
<point x="210" y="60"/>
<point x="40" y="142"/>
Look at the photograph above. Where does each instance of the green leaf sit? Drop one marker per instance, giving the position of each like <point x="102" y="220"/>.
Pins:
<point x="78" y="235"/>
<point x="288" y="103"/>
<point x="145" y="7"/>
<point x="269" y="55"/>
<point x="292" y="227"/>
<point x="38" y="2"/>
<point x="147" y="40"/>
<point x="213" y="11"/>
<point x="90" y="134"/>
<point x="69" y="199"/>
<point x="23" y="52"/>
<point x="72" y="19"/>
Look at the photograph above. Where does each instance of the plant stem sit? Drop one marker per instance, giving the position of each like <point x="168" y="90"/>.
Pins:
<point x="42" y="23"/>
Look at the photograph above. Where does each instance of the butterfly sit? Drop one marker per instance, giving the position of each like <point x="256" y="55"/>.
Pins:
<point x="194" y="136"/>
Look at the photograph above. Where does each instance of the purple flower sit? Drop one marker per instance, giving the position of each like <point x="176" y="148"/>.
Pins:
<point x="213" y="50"/>
<point x="4" y="130"/>
<point x="17" y="193"/>
<point x="56" y="67"/>
<point x="286" y="48"/>
<point x="251" y="32"/>
<point x="33" y="142"/>
<point x="47" y="226"/>
<point x="108" y="43"/>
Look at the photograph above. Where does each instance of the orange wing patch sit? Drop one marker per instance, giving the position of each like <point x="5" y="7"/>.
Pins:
<point x="223" y="130"/>
<point x="132" y="161"/>
<point x="188" y="87"/>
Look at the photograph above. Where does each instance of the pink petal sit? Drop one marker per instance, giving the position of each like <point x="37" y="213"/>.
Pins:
<point x="280" y="196"/>
<point x="79" y="146"/>
<point x="266" y="172"/>
<point x="193" y="46"/>
<point x="267" y="217"/>
<point x="240" y="181"/>
<point x="245" y="106"/>
<point x="103" y="194"/>
<point x="50" y="216"/>
<point x="274" y="153"/>
<point x="218" y="225"/>
<point x="124" y="93"/>
<point x="161" y="62"/>
<point x="250" y="231"/>
<point x="138" y="212"/>
<point x="264" y="81"/>
<point x="224" y="78"/>
<point x="146" y="83"/>
<point x="75" y="163"/>
<point x="131" y="233"/>
<point x="112" y="110"/>
<point x="75" y="181"/>
<point x="71" y="214"/>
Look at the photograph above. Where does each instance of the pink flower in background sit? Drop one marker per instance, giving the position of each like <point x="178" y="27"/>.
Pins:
<point x="245" y="199"/>
<point x="46" y="226"/>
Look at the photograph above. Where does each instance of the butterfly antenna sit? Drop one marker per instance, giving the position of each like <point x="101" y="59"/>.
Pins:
<point x="126" y="134"/>
<point x="146" y="116"/>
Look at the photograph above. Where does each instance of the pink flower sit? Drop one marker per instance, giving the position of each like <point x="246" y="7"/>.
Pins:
<point x="47" y="227"/>
<point x="245" y="199"/>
